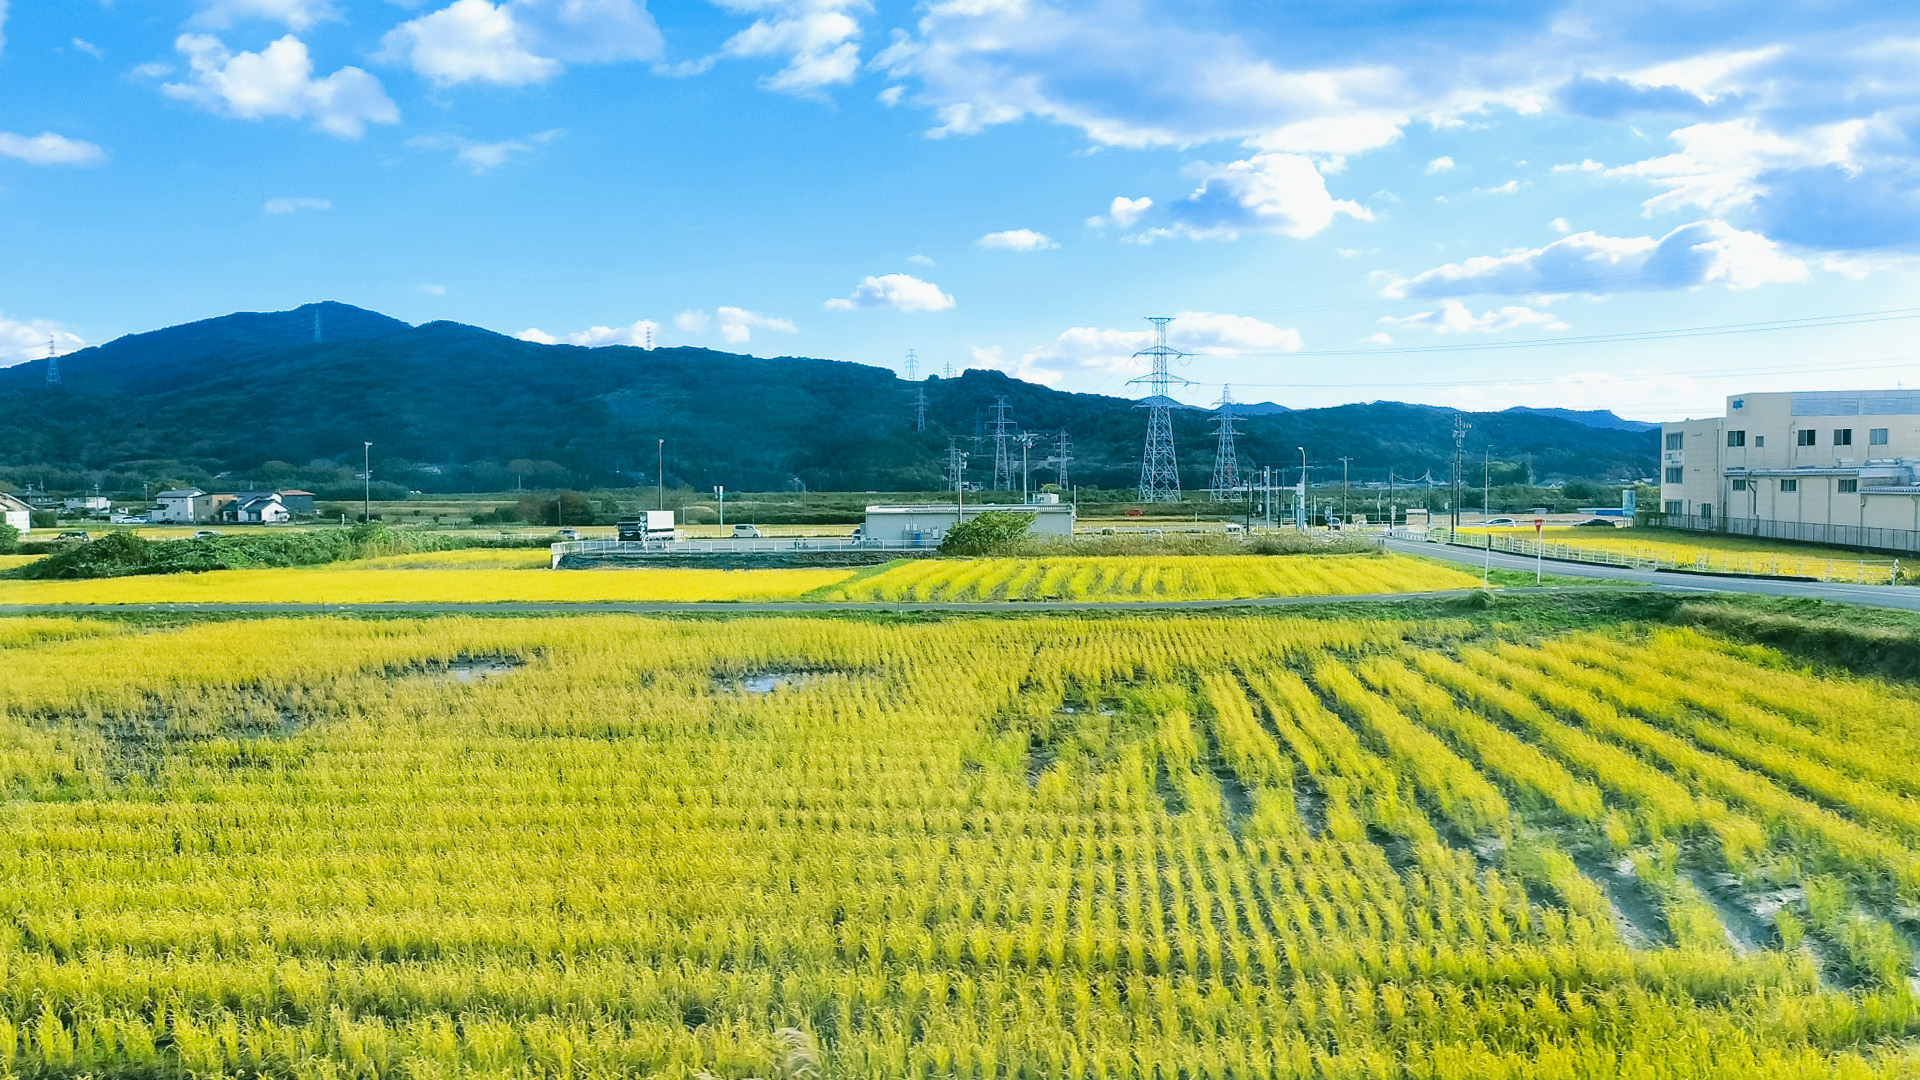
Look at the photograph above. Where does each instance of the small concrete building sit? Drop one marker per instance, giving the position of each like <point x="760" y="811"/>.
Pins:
<point x="182" y="506"/>
<point x="927" y="525"/>
<point x="15" y="513"/>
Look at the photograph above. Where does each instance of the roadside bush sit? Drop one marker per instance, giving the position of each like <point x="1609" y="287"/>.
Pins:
<point x="122" y="553"/>
<point x="996" y="532"/>
<point x="9" y="536"/>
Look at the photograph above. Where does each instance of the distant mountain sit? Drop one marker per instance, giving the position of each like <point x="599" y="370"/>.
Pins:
<point x="451" y="407"/>
<point x="1259" y="408"/>
<point x="1593" y="418"/>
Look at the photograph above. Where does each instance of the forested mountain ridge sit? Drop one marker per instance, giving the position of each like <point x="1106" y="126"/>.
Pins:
<point x="455" y="404"/>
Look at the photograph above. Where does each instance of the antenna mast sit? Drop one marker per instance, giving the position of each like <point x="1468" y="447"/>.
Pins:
<point x="1226" y="456"/>
<point x="1159" y="472"/>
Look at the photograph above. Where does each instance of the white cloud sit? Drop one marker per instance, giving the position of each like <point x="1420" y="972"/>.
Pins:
<point x="1017" y="240"/>
<point x="736" y="325"/>
<point x="1440" y="164"/>
<point x="1693" y="255"/>
<point x="89" y="48"/>
<point x="484" y="156"/>
<point x="297" y="14"/>
<point x="819" y="39"/>
<point x="47" y="148"/>
<point x="1507" y="188"/>
<point x="902" y="291"/>
<point x="1029" y="367"/>
<point x="1560" y="225"/>
<point x="1281" y="193"/>
<point x="1588" y="165"/>
<point x="1202" y="333"/>
<point x="1455" y="317"/>
<point x="1719" y="165"/>
<point x="1122" y="212"/>
<point x="518" y="42"/>
<point x="920" y="260"/>
<point x="24" y="340"/>
<point x="435" y="290"/>
<point x="278" y="81"/>
<point x="640" y="334"/>
<point x="295" y="205"/>
<point x="153" y="69"/>
<point x="3" y="24"/>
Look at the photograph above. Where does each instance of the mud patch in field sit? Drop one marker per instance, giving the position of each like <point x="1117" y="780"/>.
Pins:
<point x="461" y="669"/>
<point x="1310" y="803"/>
<point x="1635" y="916"/>
<point x="1746" y="931"/>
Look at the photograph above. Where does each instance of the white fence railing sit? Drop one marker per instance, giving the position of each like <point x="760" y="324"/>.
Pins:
<point x="1861" y="571"/>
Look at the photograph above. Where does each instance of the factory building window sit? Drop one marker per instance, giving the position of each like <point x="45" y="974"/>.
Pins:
<point x="1676" y="474"/>
<point x="1877" y="436"/>
<point x="1789" y="485"/>
<point x="1849" y="487"/>
<point x="1759" y="440"/>
<point x="1739" y="485"/>
<point x="1807" y="437"/>
<point x="1674" y="440"/>
<point x="1843" y="436"/>
<point x="1736" y="438"/>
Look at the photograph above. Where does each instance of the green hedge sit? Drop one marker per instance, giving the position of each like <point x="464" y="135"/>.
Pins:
<point x="120" y="554"/>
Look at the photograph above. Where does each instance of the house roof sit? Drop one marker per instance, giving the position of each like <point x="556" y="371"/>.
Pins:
<point x="181" y="493"/>
<point x="8" y="502"/>
<point x="308" y="494"/>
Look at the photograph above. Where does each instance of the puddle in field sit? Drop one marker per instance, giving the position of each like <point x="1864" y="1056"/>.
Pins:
<point x="766" y="682"/>
<point x="461" y="669"/>
<point x="1638" y="921"/>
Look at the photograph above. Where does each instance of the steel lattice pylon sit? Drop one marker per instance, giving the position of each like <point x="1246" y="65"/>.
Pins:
<point x="1002" y="429"/>
<point x="1226" y="456"/>
<point x="1159" y="472"/>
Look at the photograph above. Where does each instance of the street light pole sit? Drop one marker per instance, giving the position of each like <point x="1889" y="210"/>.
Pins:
<point x="366" y="481"/>
<point x="660" y="471"/>
<point x="1345" y="466"/>
<point x="1300" y="502"/>
<point x="722" y="493"/>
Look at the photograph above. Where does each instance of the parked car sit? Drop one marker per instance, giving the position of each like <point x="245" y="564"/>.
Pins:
<point x="72" y="536"/>
<point x="1498" y="521"/>
<point x="567" y="534"/>
<point x="746" y="532"/>
<point x="1594" y="523"/>
<point x="202" y="534"/>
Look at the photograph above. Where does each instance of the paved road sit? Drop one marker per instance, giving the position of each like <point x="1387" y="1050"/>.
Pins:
<point x="1886" y="596"/>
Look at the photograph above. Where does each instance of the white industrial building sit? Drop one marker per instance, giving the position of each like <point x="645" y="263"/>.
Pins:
<point x="15" y="513"/>
<point x="1836" y="467"/>
<point x="926" y="525"/>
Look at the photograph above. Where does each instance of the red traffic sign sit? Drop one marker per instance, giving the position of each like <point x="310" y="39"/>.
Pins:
<point x="1537" y="523"/>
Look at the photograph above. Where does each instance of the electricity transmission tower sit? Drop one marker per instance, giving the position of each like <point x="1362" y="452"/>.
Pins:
<point x="1226" y="456"/>
<point x="1062" y="454"/>
<point x="1159" y="472"/>
<point x="920" y="412"/>
<point x="1002" y="429"/>
<point x="53" y="364"/>
<point x="913" y="366"/>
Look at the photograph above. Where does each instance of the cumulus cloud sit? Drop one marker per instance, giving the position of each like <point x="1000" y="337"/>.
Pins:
<point x="920" y="260"/>
<point x="1721" y="167"/>
<point x="1279" y="193"/>
<point x="1702" y="253"/>
<point x="89" y="48"/>
<point x="1440" y="164"/>
<point x="518" y="42"/>
<point x="1122" y="212"/>
<point x="819" y="39"/>
<point x="736" y="325"/>
<point x="1017" y="240"/>
<point x="1454" y="317"/>
<point x="902" y="291"/>
<point x="295" y="205"/>
<point x="640" y="334"/>
<point x="47" y="148"/>
<point x="296" y="14"/>
<point x="278" y="81"/>
<point x="24" y="340"/>
<point x="484" y="157"/>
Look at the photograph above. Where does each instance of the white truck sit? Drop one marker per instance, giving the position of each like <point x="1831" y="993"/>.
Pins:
<point x="649" y="526"/>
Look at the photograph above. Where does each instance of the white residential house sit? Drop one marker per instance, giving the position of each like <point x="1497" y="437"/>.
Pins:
<point x="87" y="504"/>
<point x="15" y="513"/>
<point x="182" y="506"/>
<point x="261" y="510"/>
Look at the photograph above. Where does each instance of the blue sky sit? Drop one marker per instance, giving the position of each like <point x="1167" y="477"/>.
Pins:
<point x="1473" y="204"/>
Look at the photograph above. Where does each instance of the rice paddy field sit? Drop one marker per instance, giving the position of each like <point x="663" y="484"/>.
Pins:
<point x="1168" y="847"/>
<point x="482" y="576"/>
<point x="1712" y="551"/>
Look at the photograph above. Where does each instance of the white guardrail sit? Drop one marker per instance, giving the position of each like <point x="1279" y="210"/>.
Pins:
<point x="766" y="545"/>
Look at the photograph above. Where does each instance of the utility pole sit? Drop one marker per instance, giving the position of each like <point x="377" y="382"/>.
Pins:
<point x="1159" y="472"/>
<point x="366" y="474"/>
<point x="1226" y="456"/>
<point x="1002" y="429"/>
<point x="1266" y="493"/>
<point x="1345" y="463"/>
<point x="1300" y="497"/>
<point x="1026" y="440"/>
<point x="1459" y="445"/>
<point x="721" y="493"/>
<point x="1486" y="483"/>
<point x="956" y="472"/>
<point x="660" y="470"/>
